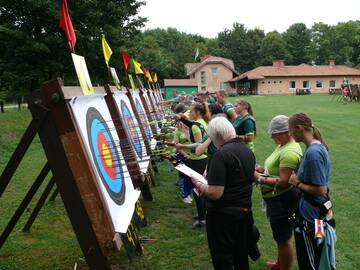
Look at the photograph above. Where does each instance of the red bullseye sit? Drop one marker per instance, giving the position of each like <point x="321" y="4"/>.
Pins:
<point x="132" y="130"/>
<point x="107" y="158"/>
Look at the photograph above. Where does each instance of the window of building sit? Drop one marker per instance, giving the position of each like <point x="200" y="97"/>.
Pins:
<point x="263" y="82"/>
<point x="306" y="84"/>
<point x="224" y="85"/>
<point x="292" y="84"/>
<point x="268" y="81"/>
<point x="319" y="84"/>
<point x="214" y="71"/>
<point x="332" y="84"/>
<point x="274" y="81"/>
<point x="280" y="81"/>
<point x="203" y="77"/>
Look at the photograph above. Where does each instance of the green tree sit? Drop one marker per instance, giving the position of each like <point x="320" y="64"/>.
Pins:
<point x="34" y="49"/>
<point x="167" y="50"/>
<point x="241" y="45"/>
<point x="297" y="38"/>
<point x="322" y="44"/>
<point x="273" y="47"/>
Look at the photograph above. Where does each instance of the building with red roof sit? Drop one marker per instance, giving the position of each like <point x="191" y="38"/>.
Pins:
<point x="280" y="79"/>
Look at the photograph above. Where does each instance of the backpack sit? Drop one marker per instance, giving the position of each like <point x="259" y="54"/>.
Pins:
<point x="202" y="129"/>
<point x="241" y="126"/>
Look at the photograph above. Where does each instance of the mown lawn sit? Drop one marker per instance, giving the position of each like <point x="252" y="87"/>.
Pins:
<point x="52" y="243"/>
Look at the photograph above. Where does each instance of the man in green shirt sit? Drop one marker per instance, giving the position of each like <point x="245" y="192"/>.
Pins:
<point x="227" y="107"/>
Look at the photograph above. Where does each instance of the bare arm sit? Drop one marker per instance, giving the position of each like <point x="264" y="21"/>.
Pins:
<point x="232" y="115"/>
<point x="310" y="189"/>
<point x="247" y="137"/>
<point x="201" y="148"/>
<point x="198" y="137"/>
<point x="212" y="192"/>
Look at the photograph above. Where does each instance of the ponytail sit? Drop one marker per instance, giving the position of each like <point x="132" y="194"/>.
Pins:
<point x="249" y="109"/>
<point x="207" y="115"/>
<point x="317" y="136"/>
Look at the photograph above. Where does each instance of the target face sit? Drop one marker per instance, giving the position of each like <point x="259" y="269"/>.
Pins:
<point x="143" y="119"/>
<point x="148" y="102"/>
<point x="131" y="129"/>
<point x="106" y="158"/>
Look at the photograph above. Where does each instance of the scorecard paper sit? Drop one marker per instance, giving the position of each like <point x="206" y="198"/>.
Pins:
<point x="191" y="173"/>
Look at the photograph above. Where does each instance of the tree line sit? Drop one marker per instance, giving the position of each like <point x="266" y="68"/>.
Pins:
<point x="35" y="50"/>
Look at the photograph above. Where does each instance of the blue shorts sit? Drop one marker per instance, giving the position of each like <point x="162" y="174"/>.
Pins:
<point x="280" y="211"/>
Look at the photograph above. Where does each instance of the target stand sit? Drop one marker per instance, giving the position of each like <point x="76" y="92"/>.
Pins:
<point x="131" y="143"/>
<point x="88" y="168"/>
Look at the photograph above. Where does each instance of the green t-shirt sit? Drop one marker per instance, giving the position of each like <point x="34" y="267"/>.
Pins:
<point x="211" y="148"/>
<point x="248" y="129"/>
<point x="175" y="99"/>
<point x="196" y="130"/>
<point x="286" y="156"/>
<point x="179" y="136"/>
<point x="211" y="100"/>
<point x="228" y="108"/>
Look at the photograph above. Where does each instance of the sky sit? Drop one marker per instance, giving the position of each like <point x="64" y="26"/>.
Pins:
<point x="208" y="17"/>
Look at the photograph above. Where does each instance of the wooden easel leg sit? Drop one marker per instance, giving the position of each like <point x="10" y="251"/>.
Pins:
<point x="39" y="205"/>
<point x="54" y="195"/>
<point x="15" y="218"/>
<point x="145" y="192"/>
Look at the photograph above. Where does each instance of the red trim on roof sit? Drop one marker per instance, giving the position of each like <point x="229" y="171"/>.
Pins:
<point x="180" y="82"/>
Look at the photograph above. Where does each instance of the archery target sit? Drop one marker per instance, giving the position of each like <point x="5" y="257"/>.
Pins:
<point x="107" y="160"/>
<point x="131" y="129"/>
<point x="157" y="96"/>
<point x="143" y="118"/>
<point x="160" y="111"/>
<point x="154" y="114"/>
<point x="148" y="101"/>
<point x="101" y="143"/>
<point x="151" y="94"/>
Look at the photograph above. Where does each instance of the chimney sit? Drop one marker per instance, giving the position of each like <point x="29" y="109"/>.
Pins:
<point x="278" y="63"/>
<point x="332" y="63"/>
<point x="204" y="57"/>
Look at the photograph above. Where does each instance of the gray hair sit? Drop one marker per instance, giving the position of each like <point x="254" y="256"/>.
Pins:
<point x="222" y="127"/>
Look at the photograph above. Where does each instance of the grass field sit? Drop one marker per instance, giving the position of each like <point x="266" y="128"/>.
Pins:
<point x="52" y="243"/>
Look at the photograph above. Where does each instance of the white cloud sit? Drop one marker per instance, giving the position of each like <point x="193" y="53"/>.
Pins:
<point x="208" y="17"/>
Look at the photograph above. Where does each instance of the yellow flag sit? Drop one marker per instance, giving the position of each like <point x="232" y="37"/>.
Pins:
<point x="131" y="81"/>
<point x="106" y="50"/>
<point x="82" y="74"/>
<point x="155" y="78"/>
<point x="137" y="68"/>
<point x="148" y="76"/>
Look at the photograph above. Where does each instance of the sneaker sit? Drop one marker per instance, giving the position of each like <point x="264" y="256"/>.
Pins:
<point x="273" y="265"/>
<point x="199" y="224"/>
<point x="188" y="200"/>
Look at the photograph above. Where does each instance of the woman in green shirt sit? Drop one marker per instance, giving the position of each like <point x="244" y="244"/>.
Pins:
<point x="206" y="146"/>
<point x="199" y="117"/>
<point x="280" y="197"/>
<point x="244" y="124"/>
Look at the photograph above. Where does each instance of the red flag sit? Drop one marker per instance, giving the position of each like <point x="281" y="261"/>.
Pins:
<point x="145" y="72"/>
<point x="126" y="59"/>
<point x="66" y="25"/>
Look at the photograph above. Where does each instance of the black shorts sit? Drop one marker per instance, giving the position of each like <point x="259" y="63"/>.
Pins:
<point x="280" y="211"/>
